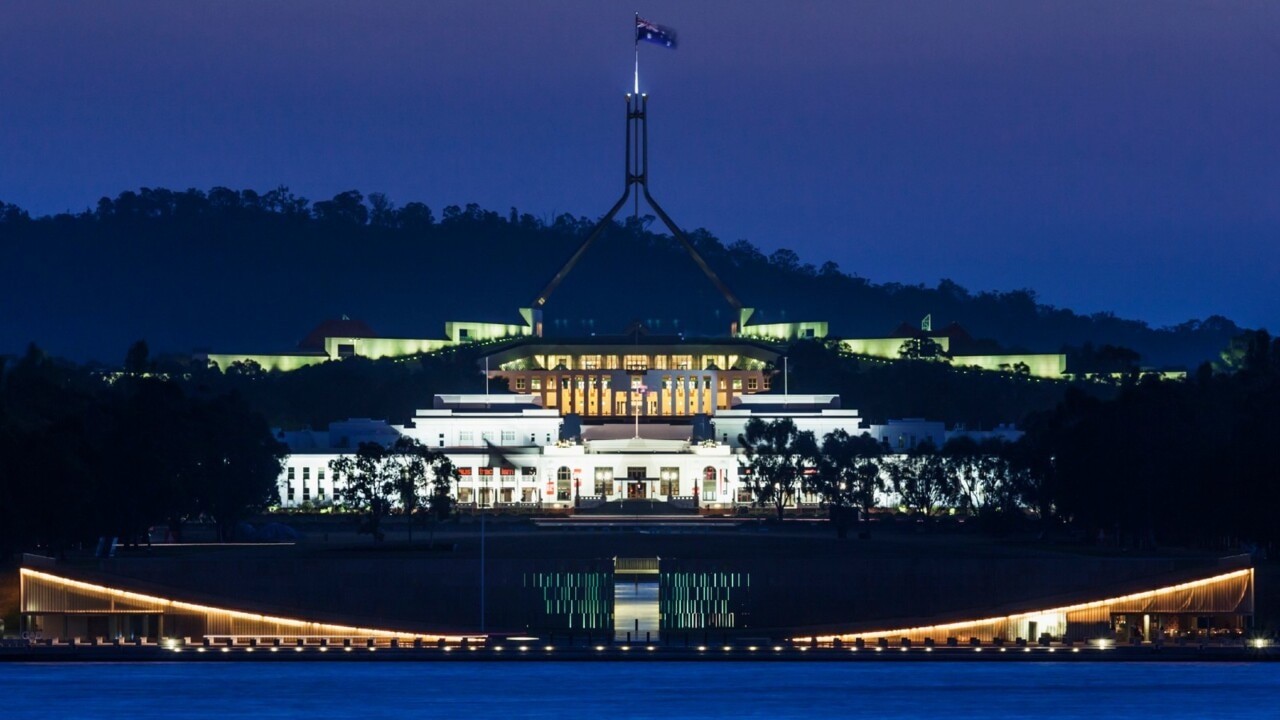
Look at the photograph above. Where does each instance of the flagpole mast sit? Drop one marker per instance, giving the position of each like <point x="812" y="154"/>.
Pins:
<point x="637" y="42"/>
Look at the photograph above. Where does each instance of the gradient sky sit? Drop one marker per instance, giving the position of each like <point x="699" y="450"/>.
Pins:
<point x="1110" y="155"/>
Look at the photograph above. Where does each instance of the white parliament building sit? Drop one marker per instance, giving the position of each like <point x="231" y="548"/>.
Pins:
<point x="511" y="453"/>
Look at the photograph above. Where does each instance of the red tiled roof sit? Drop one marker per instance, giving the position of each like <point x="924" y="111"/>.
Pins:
<point x="335" y="328"/>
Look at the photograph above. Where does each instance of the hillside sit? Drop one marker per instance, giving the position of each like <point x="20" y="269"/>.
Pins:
<point x="248" y="271"/>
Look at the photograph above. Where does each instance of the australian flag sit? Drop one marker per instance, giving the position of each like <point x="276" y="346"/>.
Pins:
<point x="655" y="33"/>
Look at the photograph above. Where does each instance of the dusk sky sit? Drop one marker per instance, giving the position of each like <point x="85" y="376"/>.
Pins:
<point x="1109" y="155"/>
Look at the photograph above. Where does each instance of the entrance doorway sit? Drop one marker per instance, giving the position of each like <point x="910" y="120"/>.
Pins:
<point x="637" y="487"/>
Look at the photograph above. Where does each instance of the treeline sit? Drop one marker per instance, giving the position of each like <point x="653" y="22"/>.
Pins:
<point x="252" y="271"/>
<point x="1183" y="463"/>
<point x="85" y="455"/>
<point x="1188" y="462"/>
<point x="881" y="390"/>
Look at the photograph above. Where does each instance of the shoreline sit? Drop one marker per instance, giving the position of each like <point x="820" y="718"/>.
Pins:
<point x="632" y="653"/>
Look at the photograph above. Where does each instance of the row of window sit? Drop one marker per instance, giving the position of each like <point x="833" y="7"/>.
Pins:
<point x="306" y="474"/>
<point x="633" y="362"/>
<point x="593" y="382"/>
<point x="467" y="438"/>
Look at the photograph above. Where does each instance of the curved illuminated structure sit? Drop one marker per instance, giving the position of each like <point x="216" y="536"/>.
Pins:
<point x="60" y="607"/>
<point x="1139" y="615"/>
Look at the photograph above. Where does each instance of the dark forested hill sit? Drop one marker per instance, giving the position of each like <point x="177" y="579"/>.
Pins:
<point x="248" y="271"/>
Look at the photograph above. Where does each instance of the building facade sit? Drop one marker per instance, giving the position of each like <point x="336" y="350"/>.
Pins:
<point x="512" y="454"/>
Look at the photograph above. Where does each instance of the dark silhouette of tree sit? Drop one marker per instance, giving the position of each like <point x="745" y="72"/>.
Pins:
<point x="920" y="348"/>
<point x="420" y="477"/>
<point x="221" y="226"/>
<point x="369" y="483"/>
<point x="344" y="210"/>
<point x="135" y="361"/>
<point x="848" y="476"/>
<point x="777" y="456"/>
<point x="117" y="454"/>
<point x="922" y="479"/>
<point x="238" y="462"/>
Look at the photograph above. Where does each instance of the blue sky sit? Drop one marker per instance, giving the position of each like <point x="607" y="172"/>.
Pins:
<point x="1111" y="156"/>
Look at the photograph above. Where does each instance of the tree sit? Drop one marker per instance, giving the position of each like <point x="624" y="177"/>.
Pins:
<point x="420" y="477"/>
<point x="848" y="476"/>
<point x="923" y="479"/>
<point x="368" y="482"/>
<point x="237" y="462"/>
<point x="444" y="475"/>
<point x="345" y="209"/>
<point x="777" y="455"/>
<point x="135" y="361"/>
<point x="986" y="482"/>
<point x="919" y="348"/>
<point x="407" y="470"/>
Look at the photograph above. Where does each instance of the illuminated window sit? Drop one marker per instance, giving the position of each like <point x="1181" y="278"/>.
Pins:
<point x="737" y="383"/>
<point x="604" y="481"/>
<point x="709" y="477"/>
<point x="563" y="481"/>
<point x="535" y="383"/>
<point x="669" y="481"/>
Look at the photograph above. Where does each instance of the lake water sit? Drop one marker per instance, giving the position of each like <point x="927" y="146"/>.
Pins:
<point x="667" y="690"/>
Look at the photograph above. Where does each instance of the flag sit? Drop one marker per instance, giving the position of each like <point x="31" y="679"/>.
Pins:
<point x="655" y="33"/>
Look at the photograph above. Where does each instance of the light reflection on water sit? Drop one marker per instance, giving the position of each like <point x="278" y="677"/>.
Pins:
<point x="670" y="690"/>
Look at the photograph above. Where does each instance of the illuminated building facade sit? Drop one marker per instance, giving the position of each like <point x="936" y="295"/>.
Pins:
<point x="513" y="454"/>
<point x="612" y="379"/>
